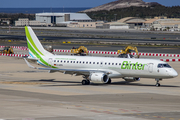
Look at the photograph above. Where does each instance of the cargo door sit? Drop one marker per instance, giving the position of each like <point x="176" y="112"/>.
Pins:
<point x="50" y="62"/>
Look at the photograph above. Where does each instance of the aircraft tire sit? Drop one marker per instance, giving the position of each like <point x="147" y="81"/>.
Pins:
<point x="158" y="85"/>
<point x="85" y="82"/>
<point x="88" y="82"/>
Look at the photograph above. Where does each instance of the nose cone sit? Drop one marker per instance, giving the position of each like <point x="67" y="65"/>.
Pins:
<point x="173" y="73"/>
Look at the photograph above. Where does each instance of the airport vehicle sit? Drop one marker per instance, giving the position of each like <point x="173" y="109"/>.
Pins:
<point x="82" y="51"/>
<point x="127" y="50"/>
<point x="7" y="50"/>
<point x="96" y="69"/>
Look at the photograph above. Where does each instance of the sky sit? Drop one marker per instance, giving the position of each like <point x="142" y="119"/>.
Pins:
<point x="69" y="3"/>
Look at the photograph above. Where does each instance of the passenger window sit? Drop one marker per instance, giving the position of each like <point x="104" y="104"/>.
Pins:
<point x="77" y="62"/>
<point x="105" y="63"/>
<point x="54" y="60"/>
<point x="67" y="61"/>
<point x="61" y="60"/>
<point x="58" y="61"/>
<point x="71" y="61"/>
<point x="112" y="63"/>
<point x="93" y="62"/>
<point x="101" y="63"/>
<point x="97" y="62"/>
<point x="116" y="64"/>
<point x="83" y="62"/>
<point x="74" y="62"/>
<point x="89" y="62"/>
<point x="64" y="61"/>
<point x="109" y="63"/>
<point x="86" y="62"/>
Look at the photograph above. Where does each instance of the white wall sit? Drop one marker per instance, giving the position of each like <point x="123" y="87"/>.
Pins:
<point x="119" y="27"/>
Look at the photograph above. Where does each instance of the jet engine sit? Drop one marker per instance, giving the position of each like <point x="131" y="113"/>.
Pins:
<point x="99" y="77"/>
<point x="131" y="79"/>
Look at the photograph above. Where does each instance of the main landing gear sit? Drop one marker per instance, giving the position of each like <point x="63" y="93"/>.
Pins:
<point x="157" y="82"/>
<point x="85" y="82"/>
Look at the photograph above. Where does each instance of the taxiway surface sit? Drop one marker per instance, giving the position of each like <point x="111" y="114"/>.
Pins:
<point x="28" y="94"/>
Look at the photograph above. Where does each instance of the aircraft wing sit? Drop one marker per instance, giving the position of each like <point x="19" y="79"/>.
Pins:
<point x="68" y="71"/>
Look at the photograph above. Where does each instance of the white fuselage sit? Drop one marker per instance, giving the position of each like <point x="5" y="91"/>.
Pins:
<point x="119" y="67"/>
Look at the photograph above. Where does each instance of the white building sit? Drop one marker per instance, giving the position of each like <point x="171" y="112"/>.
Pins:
<point x="118" y="25"/>
<point x="56" y="18"/>
<point x="22" y="22"/>
<point x="27" y="22"/>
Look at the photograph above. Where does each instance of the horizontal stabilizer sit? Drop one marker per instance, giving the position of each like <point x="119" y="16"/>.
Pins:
<point x="29" y="65"/>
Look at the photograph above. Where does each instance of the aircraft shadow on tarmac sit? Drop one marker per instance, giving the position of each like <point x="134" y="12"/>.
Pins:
<point x="75" y="83"/>
<point x="69" y="83"/>
<point x="139" y="84"/>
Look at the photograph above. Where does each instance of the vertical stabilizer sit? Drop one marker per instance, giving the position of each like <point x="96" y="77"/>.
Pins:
<point x="36" y="49"/>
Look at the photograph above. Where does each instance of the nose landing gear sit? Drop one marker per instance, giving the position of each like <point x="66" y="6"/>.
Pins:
<point x="157" y="82"/>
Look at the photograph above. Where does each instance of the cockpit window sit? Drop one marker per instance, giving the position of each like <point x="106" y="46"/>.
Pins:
<point x="164" y="66"/>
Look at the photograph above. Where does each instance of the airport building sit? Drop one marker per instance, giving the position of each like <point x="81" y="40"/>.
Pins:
<point x="27" y="22"/>
<point x="62" y="18"/>
<point x="58" y="19"/>
<point x="126" y="23"/>
<point x="5" y="21"/>
<point x="163" y="24"/>
<point x="86" y="24"/>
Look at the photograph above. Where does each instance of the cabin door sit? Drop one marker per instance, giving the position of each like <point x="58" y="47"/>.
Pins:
<point x="150" y="67"/>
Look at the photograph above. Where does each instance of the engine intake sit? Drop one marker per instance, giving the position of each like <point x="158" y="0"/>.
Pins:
<point x="131" y="79"/>
<point x="99" y="77"/>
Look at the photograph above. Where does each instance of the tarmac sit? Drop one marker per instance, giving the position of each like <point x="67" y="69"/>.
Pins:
<point x="29" y="94"/>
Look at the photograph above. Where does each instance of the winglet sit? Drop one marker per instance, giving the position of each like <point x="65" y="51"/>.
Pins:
<point x="29" y="65"/>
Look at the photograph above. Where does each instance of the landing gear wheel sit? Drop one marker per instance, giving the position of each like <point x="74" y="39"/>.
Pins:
<point x="158" y="84"/>
<point x="109" y="81"/>
<point x="88" y="82"/>
<point x="85" y="82"/>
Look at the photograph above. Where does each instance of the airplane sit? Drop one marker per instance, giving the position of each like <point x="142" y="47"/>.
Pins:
<point x="96" y="69"/>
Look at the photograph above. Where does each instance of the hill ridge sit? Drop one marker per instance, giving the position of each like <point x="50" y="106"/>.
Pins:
<point x="121" y="4"/>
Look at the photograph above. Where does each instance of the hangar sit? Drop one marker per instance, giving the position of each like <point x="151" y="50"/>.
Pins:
<point x="127" y="23"/>
<point x="56" y="18"/>
<point x="133" y="22"/>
